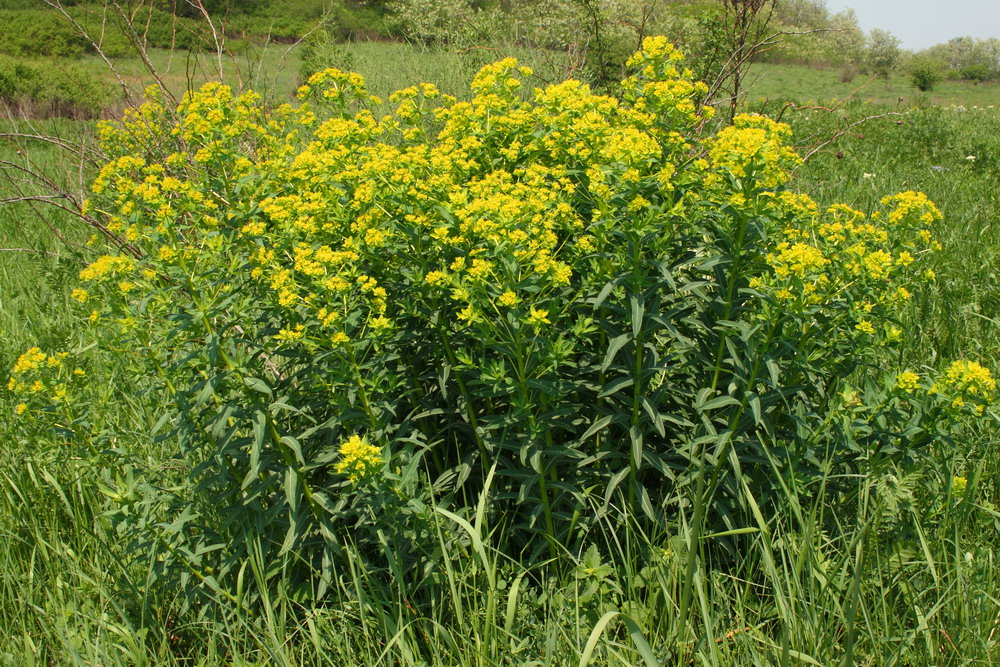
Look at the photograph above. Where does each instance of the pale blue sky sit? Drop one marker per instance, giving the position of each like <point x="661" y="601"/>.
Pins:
<point x="922" y="23"/>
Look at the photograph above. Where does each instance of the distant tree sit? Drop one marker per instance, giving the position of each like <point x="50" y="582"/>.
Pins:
<point x="977" y="73"/>
<point x="846" y="39"/>
<point x="925" y="72"/>
<point x="803" y="13"/>
<point x="882" y="51"/>
<point x="968" y="57"/>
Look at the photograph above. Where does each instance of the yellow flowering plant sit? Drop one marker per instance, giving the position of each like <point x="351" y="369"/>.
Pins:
<point x="593" y="296"/>
<point x="46" y="390"/>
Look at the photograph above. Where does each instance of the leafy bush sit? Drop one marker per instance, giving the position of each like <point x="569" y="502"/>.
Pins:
<point x="58" y="89"/>
<point x="925" y="73"/>
<point x="320" y="51"/>
<point x="881" y="51"/>
<point x="977" y="73"/>
<point x="39" y="33"/>
<point x="561" y="310"/>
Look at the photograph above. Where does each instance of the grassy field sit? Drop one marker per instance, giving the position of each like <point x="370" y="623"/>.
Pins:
<point x="807" y="85"/>
<point x="921" y="588"/>
<point x="274" y="70"/>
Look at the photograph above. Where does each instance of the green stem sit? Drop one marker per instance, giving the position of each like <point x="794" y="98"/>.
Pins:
<point x="637" y="355"/>
<point x="522" y="381"/>
<point x="362" y="391"/>
<point x="700" y="492"/>
<point x="469" y="411"/>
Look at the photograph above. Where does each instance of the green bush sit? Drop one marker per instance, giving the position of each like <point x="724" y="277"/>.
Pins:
<point x="925" y="73"/>
<point x="320" y="51"/>
<point x="39" y="33"/>
<point x="565" y="314"/>
<point x="977" y="73"/>
<point x="54" y="88"/>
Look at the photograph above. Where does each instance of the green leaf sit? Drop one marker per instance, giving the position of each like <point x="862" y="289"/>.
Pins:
<point x="258" y="385"/>
<point x="292" y="490"/>
<point x="720" y="402"/>
<point x="754" y="403"/>
<point x="615" y="385"/>
<point x="654" y="417"/>
<point x="596" y="427"/>
<point x="259" y="433"/>
<point x="605" y="291"/>
<point x="641" y="645"/>
<point x="616" y="344"/>
<point x="295" y="446"/>
<point x="638" y="310"/>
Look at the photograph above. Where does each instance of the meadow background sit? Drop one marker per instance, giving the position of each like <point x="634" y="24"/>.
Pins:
<point x="916" y="575"/>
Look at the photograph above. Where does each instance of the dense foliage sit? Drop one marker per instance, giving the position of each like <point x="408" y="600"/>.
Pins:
<point x="558" y="311"/>
<point x="38" y="88"/>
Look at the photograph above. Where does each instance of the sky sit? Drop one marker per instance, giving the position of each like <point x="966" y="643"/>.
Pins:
<point x="923" y="23"/>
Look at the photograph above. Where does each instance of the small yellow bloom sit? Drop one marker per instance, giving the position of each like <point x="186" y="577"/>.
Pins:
<point x="538" y="317"/>
<point x="380" y="323"/>
<point x="509" y="298"/>
<point x="908" y="381"/>
<point x="436" y="278"/>
<point x="468" y="314"/>
<point x="358" y="458"/>
<point x="290" y="335"/>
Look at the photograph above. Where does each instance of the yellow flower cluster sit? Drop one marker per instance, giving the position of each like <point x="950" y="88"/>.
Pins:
<point x="799" y="260"/>
<point x="966" y="383"/>
<point x="339" y="206"/>
<point x="864" y="265"/>
<point x="42" y="379"/>
<point x="958" y="485"/>
<point x="104" y="268"/>
<point x="753" y="148"/>
<point x="908" y="381"/>
<point x="358" y="458"/>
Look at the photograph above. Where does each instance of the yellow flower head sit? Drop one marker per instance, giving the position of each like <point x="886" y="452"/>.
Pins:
<point x="509" y="298"/>
<point x="537" y="317"/>
<point x="908" y="381"/>
<point x="358" y="458"/>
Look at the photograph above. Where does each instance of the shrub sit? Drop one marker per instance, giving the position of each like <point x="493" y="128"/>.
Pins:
<point x="561" y="308"/>
<point x="977" y="73"/>
<point x="51" y="89"/>
<point x="881" y="51"/>
<point x="925" y="73"/>
<point x="320" y="51"/>
<point x="39" y="33"/>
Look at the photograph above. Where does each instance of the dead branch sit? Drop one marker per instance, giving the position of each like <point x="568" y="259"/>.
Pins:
<point x="57" y="5"/>
<point x="845" y="130"/>
<point x="32" y="250"/>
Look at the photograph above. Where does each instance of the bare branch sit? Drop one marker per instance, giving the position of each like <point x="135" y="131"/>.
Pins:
<point x="32" y="250"/>
<point x="845" y="130"/>
<point x="57" y="5"/>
